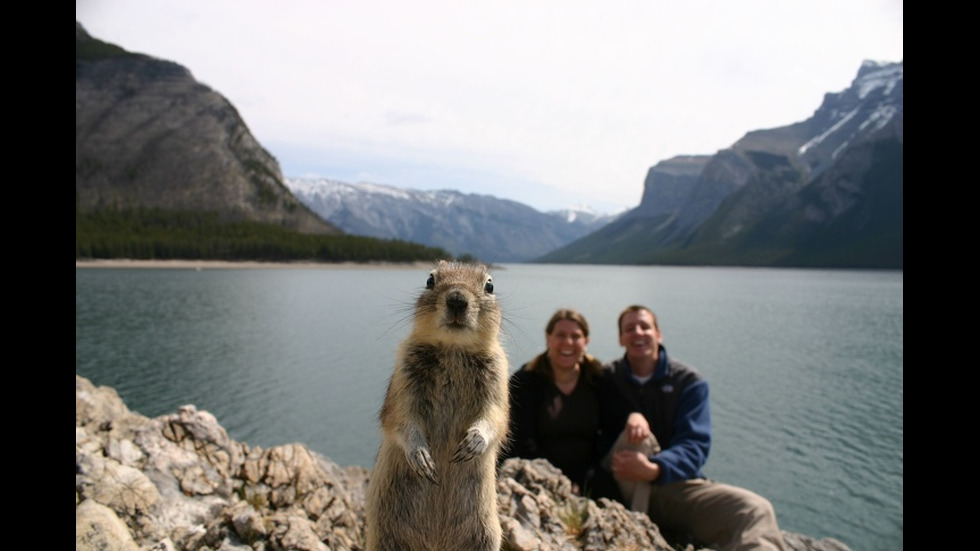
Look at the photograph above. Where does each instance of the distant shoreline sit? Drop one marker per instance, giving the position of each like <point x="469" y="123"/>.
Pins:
<point x="243" y="265"/>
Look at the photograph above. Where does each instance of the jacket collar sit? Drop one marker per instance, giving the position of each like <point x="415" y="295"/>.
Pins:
<point x="659" y="372"/>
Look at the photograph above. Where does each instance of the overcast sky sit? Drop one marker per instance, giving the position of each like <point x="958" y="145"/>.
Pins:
<point x="552" y="103"/>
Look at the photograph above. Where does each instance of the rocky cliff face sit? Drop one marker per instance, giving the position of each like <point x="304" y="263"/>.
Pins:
<point x="147" y="134"/>
<point x="180" y="482"/>
<point x="828" y="192"/>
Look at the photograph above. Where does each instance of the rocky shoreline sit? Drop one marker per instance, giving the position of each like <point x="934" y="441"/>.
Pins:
<point x="178" y="481"/>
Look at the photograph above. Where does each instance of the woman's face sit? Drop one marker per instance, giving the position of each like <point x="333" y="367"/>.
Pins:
<point x="566" y="344"/>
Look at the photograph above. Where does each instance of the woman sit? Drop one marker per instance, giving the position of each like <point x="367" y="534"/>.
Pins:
<point x="554" y="405"/>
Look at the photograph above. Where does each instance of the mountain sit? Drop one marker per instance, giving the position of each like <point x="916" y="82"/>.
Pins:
<point x="483" y="226"/>
<point x="149" y="136"/>
<point x="825" y="192"/>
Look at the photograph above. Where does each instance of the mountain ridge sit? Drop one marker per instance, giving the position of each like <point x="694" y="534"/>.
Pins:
<point x="465" y="224"/>
<point x="166" y="168"/>
<point x="824" y="192"/>
<point x="147" y="134"/>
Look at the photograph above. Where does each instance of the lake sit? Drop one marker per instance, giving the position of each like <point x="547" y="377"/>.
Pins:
<point x="805" y="366"/>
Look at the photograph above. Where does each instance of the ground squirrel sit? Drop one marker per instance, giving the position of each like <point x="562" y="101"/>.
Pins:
<point x="443" y="422"/>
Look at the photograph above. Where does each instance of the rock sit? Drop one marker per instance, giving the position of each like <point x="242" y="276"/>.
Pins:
<point x="180" y="482"/>
<point x="98" y="527"/>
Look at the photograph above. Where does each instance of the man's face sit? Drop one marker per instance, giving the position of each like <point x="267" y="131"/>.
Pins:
<point x="639" y="335"/>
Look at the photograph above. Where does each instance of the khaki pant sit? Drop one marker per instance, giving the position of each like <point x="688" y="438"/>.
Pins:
<point x="718" y="514"/>
<point x="636" y="493"/>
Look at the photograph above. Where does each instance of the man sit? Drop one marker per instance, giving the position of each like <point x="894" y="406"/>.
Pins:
<point x="663" y="405"/>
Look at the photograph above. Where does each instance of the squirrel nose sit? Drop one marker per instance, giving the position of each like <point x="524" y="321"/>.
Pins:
<point x="457" y="303"/>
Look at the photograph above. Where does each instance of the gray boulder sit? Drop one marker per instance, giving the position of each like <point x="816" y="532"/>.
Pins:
<point x="179" y="481"/>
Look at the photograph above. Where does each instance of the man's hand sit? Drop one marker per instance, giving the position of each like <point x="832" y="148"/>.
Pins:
<point x="633" y="465"/>
<point x="637" y="428"/>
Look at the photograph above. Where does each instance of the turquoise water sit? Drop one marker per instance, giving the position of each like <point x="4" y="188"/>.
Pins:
<point x="805" y="366"/>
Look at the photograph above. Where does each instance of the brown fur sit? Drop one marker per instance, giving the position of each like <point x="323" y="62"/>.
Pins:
<point x="444" y="419"/>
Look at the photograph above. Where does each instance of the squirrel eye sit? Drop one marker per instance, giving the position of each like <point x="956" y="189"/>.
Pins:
<point x="431" y="282"/>
<point x="488" y="286"/>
